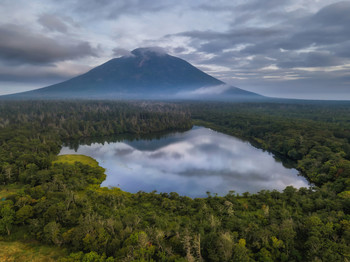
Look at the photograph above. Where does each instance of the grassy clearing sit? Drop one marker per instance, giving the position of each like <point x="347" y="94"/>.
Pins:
<point x="71" y="159"/>
<point x="15" y="251"/>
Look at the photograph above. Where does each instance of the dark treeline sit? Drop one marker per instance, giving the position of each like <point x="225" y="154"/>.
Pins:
<point x="62" y="204"/>
<point x="95" y="118"/>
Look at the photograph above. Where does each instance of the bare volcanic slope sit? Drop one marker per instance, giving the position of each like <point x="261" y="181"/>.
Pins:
<point x="146" y="73"/>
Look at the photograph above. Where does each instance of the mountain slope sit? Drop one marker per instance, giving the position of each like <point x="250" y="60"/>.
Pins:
<point x="145" y="74"/>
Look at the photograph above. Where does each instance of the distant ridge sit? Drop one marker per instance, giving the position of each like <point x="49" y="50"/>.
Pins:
<point x="147" y="73"/>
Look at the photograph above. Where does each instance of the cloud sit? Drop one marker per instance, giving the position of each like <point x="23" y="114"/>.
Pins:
<point x="211" y="90"/>
<point x="144" y="51"/>
<point x="19" y="45"/>
<point x="31" y="73"/>
<point x="334" y="14"/>
<point x="285" y="38"/>
<point x="311" y="59"/>
<point x="117" y="52"/>
<point x="53" y="23"/>
<point x="115" y="9"/>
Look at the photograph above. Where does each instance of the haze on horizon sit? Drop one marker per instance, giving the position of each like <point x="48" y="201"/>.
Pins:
<point x="293" y="49"/>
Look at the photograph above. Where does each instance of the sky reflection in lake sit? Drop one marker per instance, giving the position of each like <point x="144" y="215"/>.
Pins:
<point x="190" y="163"/>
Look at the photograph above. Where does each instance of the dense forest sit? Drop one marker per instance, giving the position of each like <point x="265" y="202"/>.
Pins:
<point x="61" y="203"/>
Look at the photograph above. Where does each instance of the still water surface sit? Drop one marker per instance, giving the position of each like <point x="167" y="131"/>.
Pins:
<point x="189" y="163"/>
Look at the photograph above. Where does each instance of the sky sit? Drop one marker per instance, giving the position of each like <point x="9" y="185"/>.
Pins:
<point x="289" y="48"/>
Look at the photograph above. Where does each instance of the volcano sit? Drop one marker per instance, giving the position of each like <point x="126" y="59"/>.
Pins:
<point x="147" y="73"/>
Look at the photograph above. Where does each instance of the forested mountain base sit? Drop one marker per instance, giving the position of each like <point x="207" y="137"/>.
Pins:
<point x="60" y="203"/>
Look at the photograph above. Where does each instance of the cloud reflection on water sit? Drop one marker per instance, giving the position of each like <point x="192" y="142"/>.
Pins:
<point x="190" y="163"/>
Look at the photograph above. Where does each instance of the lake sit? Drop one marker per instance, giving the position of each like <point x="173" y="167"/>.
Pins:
<point x="190" y="163"/>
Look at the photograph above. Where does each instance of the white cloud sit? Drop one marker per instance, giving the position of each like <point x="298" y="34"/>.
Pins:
<point x="211" y="90"/>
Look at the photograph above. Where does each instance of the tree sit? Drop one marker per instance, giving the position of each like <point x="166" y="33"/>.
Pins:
<point x="24" y="213"/>
<point x="241" y="252"/>
<point x="7" y="215"/>
<point x="52" y="233"/>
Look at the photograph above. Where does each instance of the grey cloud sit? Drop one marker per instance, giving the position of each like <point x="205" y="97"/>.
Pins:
<point x="176" y="155"/>
<point x="53" y="23"/>
<point x="326" y="32"/>
<point x="342" y="50"/>
<point x="18" y="45"/>
<point x="117" y="52"/>
<point x="179" y="49"/>
<point x="327" y="26"/>
<point x="335" y="14"/>
<point x="203" y="35"/>
<point x="227" y="174"/>
<point x="269" y="11"/>
<point x="216" y="8"/>
<point x="247" y="7"/>
<point x="152" y="49"/>
<point x="210" y="148"/>
<point x="257" y="5"/>
<point x="123" y="151"/>
<point x="114" y="9"/>
<point x="311" y="59"/>
<point x="27" y="74"/>
<point x="31" y="73"/>
<point x="216" y="41"/>
<point x="264" y="35"/>
<point x="157" y="154"/>
<point x="315" y="36"/>
<point x="161" y="154"/>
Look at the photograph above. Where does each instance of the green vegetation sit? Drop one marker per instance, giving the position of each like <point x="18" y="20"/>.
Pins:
<point x="16" y="251"/>
<point x="58" y="201"/>
<point x="9" y="190"/>
<point x="71" y="159"/>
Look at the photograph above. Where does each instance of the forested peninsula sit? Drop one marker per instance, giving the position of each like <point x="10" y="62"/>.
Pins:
<point x="57" y="207"/>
